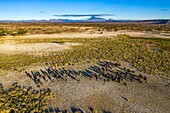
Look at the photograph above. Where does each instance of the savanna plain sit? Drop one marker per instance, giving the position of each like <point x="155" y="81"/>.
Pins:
<point x="84" y="68"/>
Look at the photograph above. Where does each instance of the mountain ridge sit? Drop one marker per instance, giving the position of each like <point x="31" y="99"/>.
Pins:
<point x="94" y="19"/>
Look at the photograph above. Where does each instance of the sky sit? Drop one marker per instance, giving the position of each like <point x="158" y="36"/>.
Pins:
<point x="117" y="9"/>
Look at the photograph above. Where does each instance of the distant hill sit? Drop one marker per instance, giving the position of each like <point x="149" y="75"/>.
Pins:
<point x="160" y="21"/>
<point x="168" y="22"/>
<point x="96" y="19"/>
<point x="54" y="20"/>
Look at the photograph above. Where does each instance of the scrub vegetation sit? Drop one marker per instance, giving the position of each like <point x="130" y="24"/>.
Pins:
<point x="148" y="55"/>
<point x="13" y="29"/>
<point x="90" y="72"/>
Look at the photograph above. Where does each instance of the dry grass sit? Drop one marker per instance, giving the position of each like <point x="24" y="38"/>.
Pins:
<point x="143" y="55"/>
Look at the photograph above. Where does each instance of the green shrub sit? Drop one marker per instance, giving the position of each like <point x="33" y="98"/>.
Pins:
<point x="22" y="31"/>
<point x="14" y="34"/>
<point x="3" y="32"/>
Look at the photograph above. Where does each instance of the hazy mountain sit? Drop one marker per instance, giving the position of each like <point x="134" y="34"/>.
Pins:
<point x="159" y="21"/>
<point x="54" y="20"/>
<point x="92" y="19"/>
<point x="96" y="19"/>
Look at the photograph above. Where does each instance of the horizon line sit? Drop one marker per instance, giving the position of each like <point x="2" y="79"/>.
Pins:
<point x="83" y="19"/>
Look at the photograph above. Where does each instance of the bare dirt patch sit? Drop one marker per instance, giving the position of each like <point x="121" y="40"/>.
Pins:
<point x="88" y="34"/>
<point x="34" y="47"/>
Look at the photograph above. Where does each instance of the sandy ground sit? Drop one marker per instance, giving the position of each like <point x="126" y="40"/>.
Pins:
<point x="92" y="35"/>
<point x="34" y="47"/>
<point x="150" y="97"/>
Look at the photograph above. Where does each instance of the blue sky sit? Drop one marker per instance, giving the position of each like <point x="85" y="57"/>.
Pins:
<point x="45" y="9"/>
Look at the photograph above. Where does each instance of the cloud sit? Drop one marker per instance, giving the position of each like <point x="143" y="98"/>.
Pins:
<point x="164" y="9"/>
<point x="83" y="15"/>
<point x="42" y="12"/>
